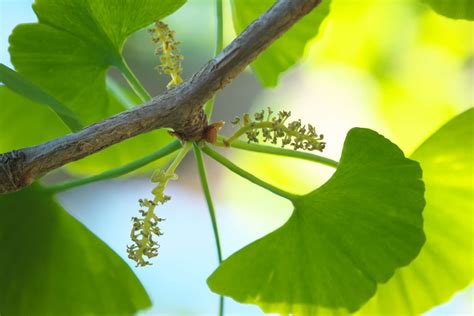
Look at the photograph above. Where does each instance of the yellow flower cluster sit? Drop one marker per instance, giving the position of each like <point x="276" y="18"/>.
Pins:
<point x="145" y="228"/>
<point x="170" y="57"/>
<point x="275" y="128"/>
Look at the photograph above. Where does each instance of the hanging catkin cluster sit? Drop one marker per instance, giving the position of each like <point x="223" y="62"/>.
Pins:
<point x="170" y="57"/>
<point x="145" y="228"/>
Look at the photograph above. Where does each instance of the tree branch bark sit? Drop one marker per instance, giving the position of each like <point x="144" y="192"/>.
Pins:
<point x="179" y="109"/>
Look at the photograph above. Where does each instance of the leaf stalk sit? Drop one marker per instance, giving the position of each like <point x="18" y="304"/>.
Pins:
<point x="116" y="172"/>
<point x="245" y="174"/>
<point x="207" y="194"/>
<point x="278" y="151"/>
<point x="132" y="80"/>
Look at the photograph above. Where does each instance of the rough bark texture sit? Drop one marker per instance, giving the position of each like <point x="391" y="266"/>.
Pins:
<point x="179" y="109"/>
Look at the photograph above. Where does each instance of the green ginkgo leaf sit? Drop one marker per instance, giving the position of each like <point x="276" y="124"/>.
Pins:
<point x="287" y="50"/>
<point x="30" y="119"/>
<point x="53" y="265"/>
<point x="22" y="86"/>
<point x="445" y="263"/>
<point x="454" y="9"/>
<point x="342" y="238"/>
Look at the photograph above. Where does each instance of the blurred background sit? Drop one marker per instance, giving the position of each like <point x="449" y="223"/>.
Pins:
<point x="391" y="65"/>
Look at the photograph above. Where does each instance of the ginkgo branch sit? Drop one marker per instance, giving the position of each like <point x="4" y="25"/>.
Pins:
<point x="179" y="108"/>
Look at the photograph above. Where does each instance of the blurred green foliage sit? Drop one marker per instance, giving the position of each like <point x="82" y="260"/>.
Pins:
<point x="454" y="9"/>
<point x="55" y="266"/>
<point x="444" y="265"/>
<point x="420" y="63"/>
<point x="22" y="86"/>
<point x="286" y="51"/>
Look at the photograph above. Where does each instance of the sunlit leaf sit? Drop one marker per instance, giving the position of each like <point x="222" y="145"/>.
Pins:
<point x="409" y="57"/>
<point x="454" y="9"/>
<point x="342" y="238"/>
<point x="52" y="265"/>
<point x="444" y="265"/>
<point x="22" y="86"/>
<point x="286" y="51"/>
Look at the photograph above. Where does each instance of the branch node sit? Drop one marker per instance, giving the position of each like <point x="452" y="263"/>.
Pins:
<point x="194" y="128"/>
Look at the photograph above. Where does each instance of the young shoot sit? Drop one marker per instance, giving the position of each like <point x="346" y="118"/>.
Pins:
<point x="145" y="229"/>
<point x="170" y="57"/>
<point x="275" y="129"/>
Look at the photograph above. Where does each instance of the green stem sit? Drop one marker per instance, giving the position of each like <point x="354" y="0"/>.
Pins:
<point x="116" y="172"/>
<point x="221" y="306"/>
<point x="236" y="169"/>
<point x="219" y="40"/>
<point x="210" y="205"/>
<point x="219" y="43"/>
<point x="120" y="93"/>
<point x="280" y="152"/>
<point x="208" y="109"/>
<point x="132" y="80"/>
<point x="181" y="154"/>
<point x="207" y="194"/>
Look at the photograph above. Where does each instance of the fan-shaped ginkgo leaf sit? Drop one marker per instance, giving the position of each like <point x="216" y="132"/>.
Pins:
<point x="286" y="51"/>
<point x="53" y="265"/>
<point x="342" y="238"/>
<point x="444" y="265"/>
<point x="454" y="9"/>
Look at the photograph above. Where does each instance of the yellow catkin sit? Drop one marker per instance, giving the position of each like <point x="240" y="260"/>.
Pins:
<point x="170" y="57"/>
